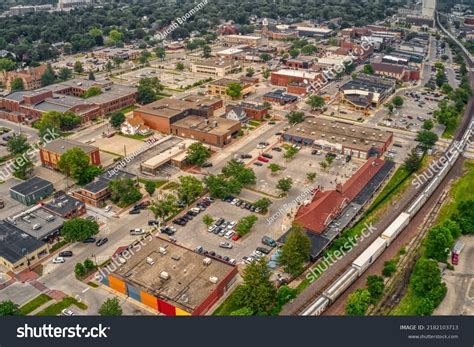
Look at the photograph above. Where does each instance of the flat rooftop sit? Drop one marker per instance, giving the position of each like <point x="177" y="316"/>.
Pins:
<point x="298" y="73"/>
<point x="61" y="146"/>
<point x="188" y="284"/>
<point x="36" y="222"/>
<point x="62" y="204"/>
<point x="215" y="126"/>
<point x="15" y="244"/>
<point x="223" y="82"/>
<point x="30" y="186"/>
<point x="247" y="37"/>
<point x="216" y="63"/>
<point x="230" y="51"/>
<point x="167" y="107"/>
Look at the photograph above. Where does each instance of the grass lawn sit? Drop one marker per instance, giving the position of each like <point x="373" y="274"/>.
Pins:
<point x="128" y="109"/>
<point x="158" y="183"/>
<point x="136" y="136"/>
<point x="227" y="307"/>
<point x="170" y="186"/>
<point x="254" y="123"/>
<point x="56" y="309"/>
<point x="57" y="246"/>
<point x="34" y="304"/>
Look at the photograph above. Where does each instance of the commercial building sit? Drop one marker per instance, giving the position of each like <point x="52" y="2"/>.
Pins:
<point x="216" y="67"/>
<point x="168" y="156"/>
<point x="51" y="152"/>
<point x="114" y="53"/>
<point x="251" y="40"/>
<point x="313" y="32"/>
<point x="66" y="5"/>
<point x="279" y="96"/>
<point x="213" y="131"/>
<point x="19" y="250"/>
<point x="38" y="223"/>
<point x="366" y="90"/>
<point x="398" y="72"/>
<point x="31" y="77"/>
<point x="340" y="137"/>
<point x="97" y="192"/>
<point x="274" y="33"/>
<point x="170" y="279"/>
<point x="31" y="191"/>
<point x="254" y="111"/>
<point x="65" y="206"/>
<point x="28" y="106"/>
<point x="285" y="77"/>
<point x="297" y="63"/>
<point x="219" y="87"/>
<point x="428" y="8"/>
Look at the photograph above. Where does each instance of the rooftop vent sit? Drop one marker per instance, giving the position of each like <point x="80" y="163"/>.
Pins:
<point x="163" y="250"/>
<point x="213" y="279"/>
<point x="150" y="261"/>
<point x="206" y="261"/>
<point x="164" y="275"/>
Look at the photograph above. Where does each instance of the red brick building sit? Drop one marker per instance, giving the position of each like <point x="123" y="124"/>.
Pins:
<point x="51" y="152"/>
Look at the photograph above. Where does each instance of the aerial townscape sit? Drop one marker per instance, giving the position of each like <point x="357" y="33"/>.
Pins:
<point x="236" y="158"/>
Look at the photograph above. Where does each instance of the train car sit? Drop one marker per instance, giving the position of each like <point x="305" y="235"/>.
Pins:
<point x="413" y="209"/>
<point x="369" y="255"/>
<point x="432" y="186"/>
<point x="443" y="172"/>
<point x="396" y="227"/>
<point x="341" y="284"/>
<point x="318" y="307"/>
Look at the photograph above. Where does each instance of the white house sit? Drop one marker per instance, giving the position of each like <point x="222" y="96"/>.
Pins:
<point x="134" y="126"/>
<point x="237" y="114"/>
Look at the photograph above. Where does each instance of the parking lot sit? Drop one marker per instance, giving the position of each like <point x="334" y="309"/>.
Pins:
<point x="297" y="168"/>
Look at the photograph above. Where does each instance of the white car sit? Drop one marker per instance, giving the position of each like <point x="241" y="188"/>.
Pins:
<point x="196" y="209"/>
<point x="212" y="228"/>
<point x="137" y="231"/>
<point x="67" y="312"/>
<point x="233" y="202"/>
<point x="224" y="244"/>
<point x="107" y="208"/>
<point x="58" y="260"/>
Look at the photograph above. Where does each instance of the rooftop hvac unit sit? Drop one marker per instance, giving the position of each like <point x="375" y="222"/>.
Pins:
<point x="50" y="218"/>
<point x="164" y="275"/>
<point x="313" y="133"/>
<point x="353" y="130"/>
<point x="36" y="226"/>
<point x="206" y="261"/>
<point x="176" y="257"/>
<point x="150" y="261"/>
<point x="213" y="279"/>
<point x="380" y="135"/>
<point x="163" y="250"/>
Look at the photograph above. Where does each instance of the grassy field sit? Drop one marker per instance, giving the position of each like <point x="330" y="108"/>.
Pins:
<point x="33" y="304"/>
<point x="158" y="183"/>
<point x="56" y="309"/>
<point x="135" y="136"/>
<point x="227" y="307"/>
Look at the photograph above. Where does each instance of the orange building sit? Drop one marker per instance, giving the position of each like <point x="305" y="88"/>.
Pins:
<point x="51" y="152"/>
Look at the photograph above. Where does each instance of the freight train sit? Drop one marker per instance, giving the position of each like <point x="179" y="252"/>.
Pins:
<point x="371" y="253"/>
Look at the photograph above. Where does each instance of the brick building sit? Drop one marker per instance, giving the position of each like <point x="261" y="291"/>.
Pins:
<point x="219" y="88"/>
<point x="216" y="67"/>
<point x="51" y="152"/>
<point x="30" y="76"/>
<point x="285" y="77"/>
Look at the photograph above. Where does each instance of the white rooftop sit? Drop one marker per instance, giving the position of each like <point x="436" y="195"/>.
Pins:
<point x="298" y="73"/>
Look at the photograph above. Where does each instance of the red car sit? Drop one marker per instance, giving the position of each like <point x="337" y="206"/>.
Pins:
<point x="235" y="237"/>
<point x="265" y="160"/>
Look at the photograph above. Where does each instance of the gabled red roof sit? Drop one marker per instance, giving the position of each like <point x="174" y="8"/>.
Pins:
<point x="325" y="206"/>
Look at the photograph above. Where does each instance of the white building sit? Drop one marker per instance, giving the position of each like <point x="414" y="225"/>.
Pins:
<point x="429" y="8"/>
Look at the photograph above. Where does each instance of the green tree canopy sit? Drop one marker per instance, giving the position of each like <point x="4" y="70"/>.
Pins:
<point x="197" y="154"/>
<point x="190" y="188"/>
<point x="295" y="251"/>
<point x="78" y="229"/>
<point x="111" y="307"/>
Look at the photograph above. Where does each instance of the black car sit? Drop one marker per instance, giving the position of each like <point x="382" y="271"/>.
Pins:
<point x="89" y="240"/>
<point x="245" y="156"/>
<point x="153" y="222"/>
<point x="277" y="149"/>
<point x="167" y="231"/>
<point x="179" y="221"/>
<point x="101" y="242"/>
<point x="220" y="221"/>
<point x="252" y="208"/>
<point x="217" y="230"/>
<point x="257" y="163"/>
<point x="263" y="250"/>
<point x="65" y="254"/>
<point x="248" y="206"/>
<point x="207" y="165"/>
<point x="134" y="212"/>
<point x="187" y="217"/>
<point x="238" y="203"/>
<point x="191" y="213"/>
<point x="267" y="155"/>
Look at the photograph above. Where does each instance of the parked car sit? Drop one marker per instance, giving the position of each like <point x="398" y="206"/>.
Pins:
<point x="89" y="240"/>
<point x="101" y="242"/>
<point x="65" y="254"/>
<point x="207" y="165"/>
<point x="137" y="231"/>
<point x="245" y="156"/>
<point x="58" y="260"/>
<point x="153" y="223"/>
<point x="225" y="244"/>
<point x="263" y="250"/>
<point x="167" y="230"/>
<point x="220" y="221"/>
<point x="257" y="163"/>
<point x="107" y="208"/>
<point x="235" y="237"/>
<point x="269" y="241"/>
<point x="277" y="149"/>
<point x="267" y="155"/>
<point x="67" y="312"/>
<point x="263" y="159"/>
<point x="134" y="212"/>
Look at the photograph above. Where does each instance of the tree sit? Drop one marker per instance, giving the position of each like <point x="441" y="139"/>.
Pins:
<point x="263" y="204"/>
<point x="64" y="74"/>
<point x="244" y="311"/>
<point x="206" y="51"/>
<point x="290" y="152"/>
<point x="464" y="216"/>
<point x="274" y="168"/>
<point x="207" y="220"/>
<point x="115" y="35"/>
<point x="295" y="251"/>
<point x="23" y="167"/>
<point x="219" y="186"/>
<point x="250" y="72"/>
<point x="438" y="243"/>
<point x="311" y="176"/>
<point x="111" y="308"/>
<point x="7" y="64"/>
<point x="109" y="66"/>
<point x="257" y="291"/>
<point x="8" y="308"/>
<point x="163" y="207"/>
<point x="234" y="90"/>
<point x="180" y="66"/>
<point x="48" y="77"/>
<point x="160" y="53"/>
<point x="375" y="286"/>
<point x="197" y="154"/>
<point x="150" y="187"/>
<point x="324" y="165"/>
<point x="148" y="89"/>
<point x="118" y="61"/>
<point x="91" y="76"/>
<point x="17" y="84"/>
<point x="124" y="191"/>
<point x="358" y="302"/>
<point x="294" y="53"/>
<point x="92" y="91"/>
<point x="397" y="101"/>
<point x="78" y="67"/>
<point x="245" y="224"/>
<point x="309" y="49"/>
<point x="368" y="69"/>
<point x="285" y="184"/>
<point x="117" y="119"/>
<point x="295" y="117"/>
<point x="266" y="73"/>
<point x="316" y="102"/>
<point x="78" y="229"/>
<point x="413" y="161"/>
<point x="427" y="139"/>
<point x="17" y="144"/>
<point x="144" y="57"/>
<point x="89" y="264"/>
<point x="390" y="108"/>
<point x="427" y="124"/>
<point x="389" y="267"/>
<point x="265" y="57"/>
<point x="446" y="88"/>
<point x="189" y="189"/>
<point x="238" y="171"/>
<point x="79" y="270"/>
<point x="74" y="162"/>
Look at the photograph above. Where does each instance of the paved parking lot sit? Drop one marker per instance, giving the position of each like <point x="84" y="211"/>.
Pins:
<point x="11" y="206"/>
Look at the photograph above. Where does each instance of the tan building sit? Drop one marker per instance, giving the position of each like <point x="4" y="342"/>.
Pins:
<point x="251" y="40"/>
<point x="31" y="77"/>
<point x="219" y="88"/>
<point x="111" y="53"/>
<point x="216" y="67"/>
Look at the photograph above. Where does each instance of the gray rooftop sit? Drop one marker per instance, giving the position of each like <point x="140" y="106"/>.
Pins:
<point x="15" y="244"/>
<point x="30" y="186"/>
<point x="63" y="204"/>
<point x="36" y="222"/>
<point x="60" y="146"/>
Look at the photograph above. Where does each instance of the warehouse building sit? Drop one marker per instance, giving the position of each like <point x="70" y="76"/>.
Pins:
<point x="286" y="77"/>
<point x="366" y="91"/>
<point x="31" y="191"/>
<point x="18" y="250"/>
<point x="216" y="67"/>
<point x="251" y="40"/>
<point x="170" y="279"/>
<point x="51" y="152"/>
<point x="340" y="137"/>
